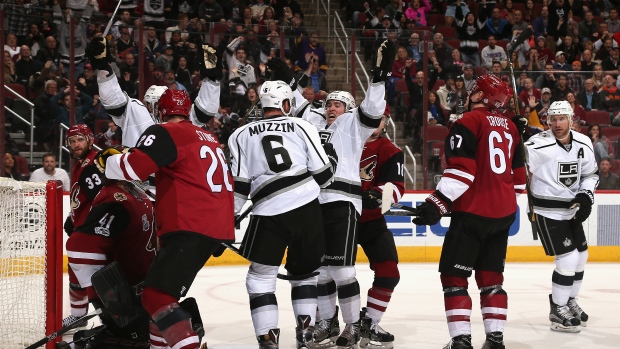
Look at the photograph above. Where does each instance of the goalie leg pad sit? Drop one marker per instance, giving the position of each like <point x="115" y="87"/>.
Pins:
<point x="116" y="294"/>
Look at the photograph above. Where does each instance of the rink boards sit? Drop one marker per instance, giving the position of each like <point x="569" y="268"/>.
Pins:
<point x="423" y="243"/>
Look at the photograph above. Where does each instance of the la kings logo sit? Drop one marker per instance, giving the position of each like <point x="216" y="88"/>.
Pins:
<point x="568" y="173"/>
<point x="325" y="136"/>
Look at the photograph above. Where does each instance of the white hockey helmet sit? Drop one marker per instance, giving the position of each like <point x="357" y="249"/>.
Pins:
<point x="274" y="93"/>
<point x="560" y="108"/>
<point x="151" y="98"/>
<point x="342" y="96"/>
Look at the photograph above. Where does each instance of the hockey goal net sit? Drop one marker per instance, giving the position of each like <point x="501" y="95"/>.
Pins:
<point x="30" y="261"/>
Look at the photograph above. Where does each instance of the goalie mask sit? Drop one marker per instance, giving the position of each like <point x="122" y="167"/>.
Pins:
<point x="496" y="92"/>
<point x="274" y="93"/>
<point x="151" y="99"/>
<point x="343" y="97"/>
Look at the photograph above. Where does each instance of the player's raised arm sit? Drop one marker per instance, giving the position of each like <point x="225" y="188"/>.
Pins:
<point x="208" y="101"/>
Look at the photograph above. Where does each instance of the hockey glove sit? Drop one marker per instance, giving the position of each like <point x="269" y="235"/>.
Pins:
<point x="98" y="53"/>
<point x="331" y="155"/>
<point x="281" y="71"/>
<point x="210" y="62"/>
<point x="521" y="123"/>
<point x="430" y="211"/>
<point x="102" y="156"/>
<point x="582" y="200"/>
<point x="369" y="199"/>
<point x="68" y="226"/>
<point x="382" y="69"/>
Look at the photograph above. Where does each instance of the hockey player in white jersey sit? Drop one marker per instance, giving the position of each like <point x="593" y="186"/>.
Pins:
<point x="564" y="176"/>
<point x="279" y="164"/>
<point x="347" y="128"/>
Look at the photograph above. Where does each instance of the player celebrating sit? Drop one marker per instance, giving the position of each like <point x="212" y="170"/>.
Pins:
<point x="485" y="167"/>
<point x="85" y="185"/>
<point x="119" y="227"/>
<point x="279" y="163"/>
<point x="346" y="128"/>
<point x="564" y="176"/>
<point x="181" y="155"/>
<point x="381" y="162"/>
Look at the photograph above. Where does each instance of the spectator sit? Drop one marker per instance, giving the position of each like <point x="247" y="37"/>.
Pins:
<point x="252" y="46"/>
<point x="561" y="90"/>
<point x="129" y="65"/>
<point x="245" y="105"/>
<point x="125" y="43"/>
<point x="45" y="132"/>
<point x="534" y="64"/>
<point x="576" y="79"/>
<point x="602" y="145"/>
<point x="468" y="76"/>
<point x="11" y="46"/>
<point x="543" y="106"/>
<point x="418" y="13"/>
<point x="314" y="77"/>
<point x="49" y="72"/>
<point x="18" y="14"/>
<point x="606" y="179"/>
<point x="61" y="106"/>
<point x="528" y="92"/>
<point x="461" y="95"/>
<point x="246" y="22"/>
<point x="110" y="137"/>
<point x="558" y="21"/>
<point x="451" y="10"/>
<point x="470" y="31"/>
<point x="306" y="48"/>
<point x="268" y="17"/>
<point x="519" y="24"/>
<point x="25" y="67"/>
<point x="183" y="75"/>
<point x="579" y="112"/>
<point x="10" y="169"/>
<point x="588" y="27"/>
<point x="443" y="51"/>
<point x="153" y="46"/>
<point x="560" y="62"/>
<point x="154" y="13"/>
<point x="210" y="11"/>
<point x="241" y="73"/>
<point x="492" y="53"/>
<point x="292" y="5"/>
<point x="454" y="65"/>
<point x="434" y="114"/>
<point x="529" y="14"/>
<point x="49" y="171"/>
<point x="541" y="23"/>
<point x="610" y="64"/>
<point x="507" y="10"/>
<point x="587" y="64"/>
<point x="79" y="44"/>
<point x="309" y="95"/>
<point x="182" y="24"/>
<point x="588" y="98"/>
<point x="416" y="98"/>
<point x="604" y="46"/>
<point x="171" y="83"/>
<point x="613" y="23"/>
<point x="123" y="20"/>
<point x="496" y="69"/>
<point x="598" y="77"/>
<point x="9" y="69"/>
<point x="165" y="59"/>
<point x="49" y="52"/>
<point x="87" y="82"/>
<point x="447" y="94"/>
<point x="35" y="39"/>
<point x="432" y="58"/>
<point x="497" y="27"/>
<point x="46" y="24"/>
<point x="610" y="95"/>
<point x="544" y="54"/>
<point x="548" y="79"/>
<point x="570" y="48"/>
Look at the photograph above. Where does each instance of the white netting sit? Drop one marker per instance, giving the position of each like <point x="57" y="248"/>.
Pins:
<point x="22" y="263"/>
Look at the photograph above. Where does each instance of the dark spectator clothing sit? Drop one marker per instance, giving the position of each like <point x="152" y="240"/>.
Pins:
<point x="62" y="113"/>
<point x="293" y="4"/>
<point x="501" y="29"/>
<point x="303" y="52"/>
<point x="317" y="81"/>
<point x="559" y="94"/>
<point x="555" y="13"/>
<point x="469" y="34"/>
<point x="91" y="88"/>
<point x="570" y="52"/>
<point x="590" y="101"/>
<point x="24" y="69"/>
<point x="18" y="18"/>
<point x="610" y="98"/>
<point x="184" y="77"/>
<point x="45" y="54"/>
<point x="540" y="27"/>
<point x="576" y="81"/>
<point x="45" y="118"/>
<point x="609" y="182"/>
<point x="609" y="65"/>
<point x="443" y="53"/>
<point x="214" y="11"/>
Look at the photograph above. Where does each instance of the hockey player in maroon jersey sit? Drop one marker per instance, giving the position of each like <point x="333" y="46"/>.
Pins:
<point x="485" y="167"/>
<point x="118" y="227"/>
<point x="381" y="162"/>
<point x="195" y="207"/>
<point x="85" y="184"/>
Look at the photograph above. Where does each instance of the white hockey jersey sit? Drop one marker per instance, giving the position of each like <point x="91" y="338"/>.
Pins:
<point x="278" y="163"/>
<point x="348" y="134"/>
<point x="206" y="104"/>
<point x="558" y="174"/>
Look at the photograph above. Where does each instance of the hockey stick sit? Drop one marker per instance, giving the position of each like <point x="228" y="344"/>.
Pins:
<point x="243" y="215"/>
<point x="386" y="197"/>
<point x="524" y="35"/>
<point x="280" y="276"/>
<point x="95" y="331"/>
<point x="65" y="329"/>
<point x="107" y="28"/>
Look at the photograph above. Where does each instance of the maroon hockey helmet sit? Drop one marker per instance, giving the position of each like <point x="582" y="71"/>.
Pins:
<point x="80" y="130"/>
<point x="496" y="92"/>
<point x="174" y="102"/>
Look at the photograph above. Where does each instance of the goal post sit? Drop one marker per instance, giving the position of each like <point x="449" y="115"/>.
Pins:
<point x="31" y="237"/>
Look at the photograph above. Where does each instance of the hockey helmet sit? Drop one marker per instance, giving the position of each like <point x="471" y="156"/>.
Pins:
<point x="496" y="92"/>
<point x="342" y="96"/>
<point x="151" y="99"/>
<point x="560" y="108"/>
<point x="80" y="130"/>
<point x="274" y="93"/>
<point x="174" y="102"/>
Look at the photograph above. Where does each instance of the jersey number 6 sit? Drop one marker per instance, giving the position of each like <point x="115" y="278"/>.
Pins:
<point x="278" y="158"/>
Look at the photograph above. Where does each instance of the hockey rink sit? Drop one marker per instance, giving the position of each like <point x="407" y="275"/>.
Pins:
<point x="416" y="316"/>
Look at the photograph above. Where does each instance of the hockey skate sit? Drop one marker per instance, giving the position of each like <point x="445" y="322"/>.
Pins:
<point x="578" y="312"/>
<point x="269" y="340"/>
<point x="562" y="319"/>
<point x="373" y="336"/>
<point x="349" y="337"/>
<point x="326" y="332"/>
<point x="495" y="340"/>
<point x="462" y="341"/>
<point x="304" y="332"/>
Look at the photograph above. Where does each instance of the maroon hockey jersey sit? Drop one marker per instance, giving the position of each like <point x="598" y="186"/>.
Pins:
<point x="381" y="162"/>
<point x="85" y="184"/>
<point x="194" y="186"/>
<point x="485" y="164"/>
<point x="119" y="227"/>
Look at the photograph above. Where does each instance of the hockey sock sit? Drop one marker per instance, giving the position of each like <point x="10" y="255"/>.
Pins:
<point x="78" y="298"/>
<point x="493" y="300"/>
<point x="379" y="295"/>
<point x="564" y="276"/>
<point x="260" y="283"/>
<point x="327" y="297"/>
<point x="350" y="301"/>
<point x="583" y="258"/>
<point x="304" y="298"/>
<point x="457" y="303"/>
<point x="156" y="338"/>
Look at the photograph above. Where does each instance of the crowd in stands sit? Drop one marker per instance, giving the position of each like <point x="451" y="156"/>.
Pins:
<point x="573" y="55"/>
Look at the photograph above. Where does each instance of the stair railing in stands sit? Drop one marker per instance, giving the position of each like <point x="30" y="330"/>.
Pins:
<point x="29" y="123"/>
<point x="326" y="4"/>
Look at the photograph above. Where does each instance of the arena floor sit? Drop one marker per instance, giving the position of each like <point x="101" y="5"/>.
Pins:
<point x="416" y="316"/>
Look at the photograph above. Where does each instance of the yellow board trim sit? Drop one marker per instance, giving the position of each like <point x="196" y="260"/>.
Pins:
<point x="427" y="254"/>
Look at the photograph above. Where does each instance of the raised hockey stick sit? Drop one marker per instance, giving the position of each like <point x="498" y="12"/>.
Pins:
<point x="513" y="45"/>
<point x="107" y="28"/>
<point x="65" y="329"/>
